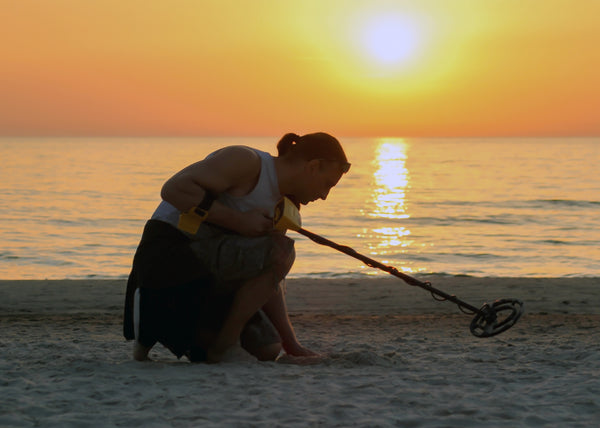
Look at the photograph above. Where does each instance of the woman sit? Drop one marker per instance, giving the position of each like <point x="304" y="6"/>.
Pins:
<point x="208" y="268"/>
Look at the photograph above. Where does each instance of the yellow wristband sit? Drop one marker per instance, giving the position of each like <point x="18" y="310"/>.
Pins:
<point x="190" y="220"/>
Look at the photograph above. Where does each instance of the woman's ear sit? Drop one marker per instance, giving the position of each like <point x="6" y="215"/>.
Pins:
<point x="313" y="165"/>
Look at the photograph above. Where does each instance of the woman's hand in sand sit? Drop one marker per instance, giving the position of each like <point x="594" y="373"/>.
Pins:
<point x="297" y="350"/>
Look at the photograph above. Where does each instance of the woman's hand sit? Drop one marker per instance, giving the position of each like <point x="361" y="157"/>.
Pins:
<point x="297" y="350"/>
<point x="255" y="223"/>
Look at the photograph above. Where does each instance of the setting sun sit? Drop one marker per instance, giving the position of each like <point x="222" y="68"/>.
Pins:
<point x="390" y="39"/>
<point x="360" y="68"/>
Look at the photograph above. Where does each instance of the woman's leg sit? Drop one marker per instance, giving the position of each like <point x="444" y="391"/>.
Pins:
<point x="252" y="296"/>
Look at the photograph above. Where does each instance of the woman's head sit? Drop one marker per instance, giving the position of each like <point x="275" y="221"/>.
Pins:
<point x="319" y="163"/>
<point x="318" y="145"/>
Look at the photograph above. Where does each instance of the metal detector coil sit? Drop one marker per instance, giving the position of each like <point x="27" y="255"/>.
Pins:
<point x="489" y="321"/>
<point x="495" y="318"/>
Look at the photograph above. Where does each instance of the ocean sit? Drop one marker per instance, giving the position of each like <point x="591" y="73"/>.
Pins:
<point x="74" y="208"/>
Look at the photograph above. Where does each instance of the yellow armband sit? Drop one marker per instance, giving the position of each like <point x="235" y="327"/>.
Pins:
<point x="190" y="220"/>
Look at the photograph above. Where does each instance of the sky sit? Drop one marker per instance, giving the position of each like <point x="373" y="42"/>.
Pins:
<point x="252" y="68"/>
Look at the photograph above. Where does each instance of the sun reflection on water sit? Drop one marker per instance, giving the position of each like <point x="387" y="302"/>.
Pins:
<point x="391" y="181"/>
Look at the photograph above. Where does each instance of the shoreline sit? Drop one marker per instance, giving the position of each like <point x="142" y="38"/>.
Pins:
<point x="372" y="296"/>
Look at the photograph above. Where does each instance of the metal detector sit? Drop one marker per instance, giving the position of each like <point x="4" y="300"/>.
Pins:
<point x="490" y="319"/>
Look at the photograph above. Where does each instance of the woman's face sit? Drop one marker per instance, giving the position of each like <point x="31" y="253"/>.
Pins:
<point x="317" y="180"/>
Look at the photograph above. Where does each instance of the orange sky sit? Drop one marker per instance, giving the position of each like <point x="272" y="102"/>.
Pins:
<point x="349" y="67"/>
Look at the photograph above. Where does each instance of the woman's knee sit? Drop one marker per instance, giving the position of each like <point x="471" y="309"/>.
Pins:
<point x="283" y="255"/>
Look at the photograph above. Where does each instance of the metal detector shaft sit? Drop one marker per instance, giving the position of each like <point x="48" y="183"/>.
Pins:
<point x="389" y="269"/>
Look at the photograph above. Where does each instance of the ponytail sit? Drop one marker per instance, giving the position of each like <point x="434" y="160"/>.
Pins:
<point x="286" y="143"/>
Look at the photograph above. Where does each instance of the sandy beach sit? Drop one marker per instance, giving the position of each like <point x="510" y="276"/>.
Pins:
<point x="392" y="357"/>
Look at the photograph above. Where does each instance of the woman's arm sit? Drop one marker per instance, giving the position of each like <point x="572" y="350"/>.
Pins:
<point x="276" y="310"/>
<point x="232" y="169"/>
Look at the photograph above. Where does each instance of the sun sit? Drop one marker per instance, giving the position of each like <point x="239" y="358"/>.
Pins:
<point x="390" y="40"/>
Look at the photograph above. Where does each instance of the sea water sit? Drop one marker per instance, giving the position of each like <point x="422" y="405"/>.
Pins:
<point x="76" y="207"/>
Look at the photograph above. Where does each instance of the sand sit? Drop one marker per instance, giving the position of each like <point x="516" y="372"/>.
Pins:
<point x="392" y="357"/>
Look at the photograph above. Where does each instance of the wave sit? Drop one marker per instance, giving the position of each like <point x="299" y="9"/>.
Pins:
<point x="504" y="219"/>
<point x="473" y="255"/>
<point x="514" y="203"/>
<point x="557" y="242"/>
<point x="567" y="202"/>
<point x="8" y="256"/>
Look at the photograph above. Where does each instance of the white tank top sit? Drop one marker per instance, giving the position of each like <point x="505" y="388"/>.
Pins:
<point x="264" y="196"/>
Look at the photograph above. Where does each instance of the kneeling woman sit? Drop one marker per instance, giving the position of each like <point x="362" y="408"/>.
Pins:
<point x="200" y="287"/>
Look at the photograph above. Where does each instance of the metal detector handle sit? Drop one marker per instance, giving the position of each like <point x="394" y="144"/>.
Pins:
<point x="487" y="321"/>
<point x="389" y="269"/>
<point x="286" y="216"/>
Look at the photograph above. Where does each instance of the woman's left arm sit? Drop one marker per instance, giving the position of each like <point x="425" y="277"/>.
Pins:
<point x="276" y="310"/>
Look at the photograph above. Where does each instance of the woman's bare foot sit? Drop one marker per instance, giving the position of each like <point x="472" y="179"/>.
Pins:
<point x="140" y="352"/>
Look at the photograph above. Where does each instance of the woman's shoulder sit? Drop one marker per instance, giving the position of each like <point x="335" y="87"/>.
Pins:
<point x="237" y="153"/>
<point x="239" y="163"/>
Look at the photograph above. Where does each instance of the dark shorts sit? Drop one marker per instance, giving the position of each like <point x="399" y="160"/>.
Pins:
<point x="186" y="320"/>
<point x="186" y="288"/>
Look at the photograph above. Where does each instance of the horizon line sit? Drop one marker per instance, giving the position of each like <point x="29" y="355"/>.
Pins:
<point x="341" y="135"/>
